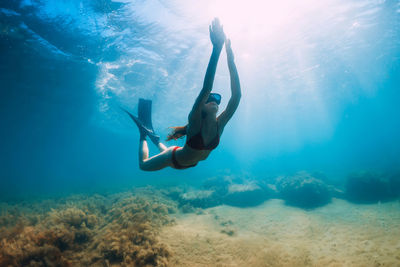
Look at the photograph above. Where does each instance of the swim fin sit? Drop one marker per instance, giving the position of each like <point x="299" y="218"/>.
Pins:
<point x="144" y="113"/>
<point x="145" y="127"/>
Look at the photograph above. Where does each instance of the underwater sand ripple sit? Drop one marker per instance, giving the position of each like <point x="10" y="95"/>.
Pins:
<point x="273" y="234"/>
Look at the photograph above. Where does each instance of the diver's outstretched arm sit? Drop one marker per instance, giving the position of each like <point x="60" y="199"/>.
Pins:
<point x="233" y="103"/>
<point x="217" y="37"/>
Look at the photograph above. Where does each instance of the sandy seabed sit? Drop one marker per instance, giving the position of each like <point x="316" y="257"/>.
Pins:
<point x="273" y="234"/>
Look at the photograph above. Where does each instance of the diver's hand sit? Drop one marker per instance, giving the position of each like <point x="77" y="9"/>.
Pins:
<point x="217" y="34"/>
<point x="229" y="52"/>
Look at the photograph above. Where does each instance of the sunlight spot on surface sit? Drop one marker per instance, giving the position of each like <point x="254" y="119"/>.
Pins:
<point x="246" y="55"/>
<point x="355" y="24"/>
<point x="256" y="19"/>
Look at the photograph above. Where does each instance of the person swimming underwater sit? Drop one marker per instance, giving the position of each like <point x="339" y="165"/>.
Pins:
<point x="204" y="128"/>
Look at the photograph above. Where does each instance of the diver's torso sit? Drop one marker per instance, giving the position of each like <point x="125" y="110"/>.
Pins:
<point x="188" y="155"/>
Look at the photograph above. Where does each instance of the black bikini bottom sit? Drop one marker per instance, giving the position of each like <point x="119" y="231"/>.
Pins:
<point x="176" y="163"/>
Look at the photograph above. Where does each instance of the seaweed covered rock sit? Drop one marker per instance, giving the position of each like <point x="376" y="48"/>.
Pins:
<point x="130" y="236"/>
<point x="303" y="190"/>
<point x="200" y="198"/>
<point x="245" y="195"/>
<point x="135" y="245"/>
<point x="230" y="190"/>
<point x="69" y="228"/>
<point x="192" y="199"/>
<point x="35" y="245"/>
<point x="218" y="184"/>
<point x="23" y="248"/>
<point x="120" y="230"/>
<point x="372" y="187"/>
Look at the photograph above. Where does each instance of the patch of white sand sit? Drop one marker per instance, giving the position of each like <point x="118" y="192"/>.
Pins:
<point x="273" y="234"/>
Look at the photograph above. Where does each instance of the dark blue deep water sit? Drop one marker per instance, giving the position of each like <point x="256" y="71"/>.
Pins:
<point x="320" y="84"/>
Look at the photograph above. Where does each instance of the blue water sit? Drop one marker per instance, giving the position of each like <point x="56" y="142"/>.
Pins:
<point x="320" y="85"/>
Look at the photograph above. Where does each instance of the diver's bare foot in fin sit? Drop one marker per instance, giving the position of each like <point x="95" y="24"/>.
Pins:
<point x="153" y="137"/>
<point x="143" y="130"/>
<point x="144" y="116"/>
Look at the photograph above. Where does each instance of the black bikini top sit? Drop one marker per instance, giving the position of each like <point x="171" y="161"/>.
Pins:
<point x="197" y="142"/>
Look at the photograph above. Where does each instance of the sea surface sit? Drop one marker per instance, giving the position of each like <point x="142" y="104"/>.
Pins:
<point x="307" y="172"/>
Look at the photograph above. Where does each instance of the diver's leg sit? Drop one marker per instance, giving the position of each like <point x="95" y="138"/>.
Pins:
<point x="158" y="161"/>
<point x="161" y="147"/>
<point x="143" y="150"/>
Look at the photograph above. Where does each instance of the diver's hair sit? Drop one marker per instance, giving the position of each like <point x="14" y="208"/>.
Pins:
<point x="177" y="132"/>
<point x="180" y="131"/>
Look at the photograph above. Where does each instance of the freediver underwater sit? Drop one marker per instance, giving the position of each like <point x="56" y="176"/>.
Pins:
<point x="204" y="127"/>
